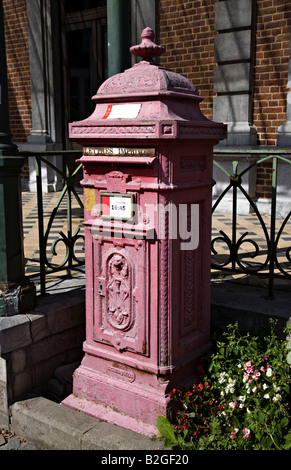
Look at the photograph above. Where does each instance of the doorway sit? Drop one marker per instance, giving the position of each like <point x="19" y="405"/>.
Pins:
<point x="84" y="57"/>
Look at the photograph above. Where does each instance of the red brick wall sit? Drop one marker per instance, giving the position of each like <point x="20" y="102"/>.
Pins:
<point x="187" y="32"/>
<point x="271" y="67"/>
<point x="16" y="33"/>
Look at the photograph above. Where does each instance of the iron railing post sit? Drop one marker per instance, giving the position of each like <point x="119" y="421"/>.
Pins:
<point x="40" y="225"/>
<point x="273" y="227"/>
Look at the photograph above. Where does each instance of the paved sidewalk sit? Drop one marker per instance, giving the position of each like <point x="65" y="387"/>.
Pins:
<point x="31" y="235"/>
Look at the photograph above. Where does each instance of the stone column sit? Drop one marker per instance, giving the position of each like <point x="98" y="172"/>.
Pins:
<point x="143" y="14"/>
<point x="284" y="131"/>
<point x="43" y="94"/>
<point x="234" y="21"/>
<point x="284" y="169"/>
<point x="15" y="292"/>
<point x="118" y="36"/>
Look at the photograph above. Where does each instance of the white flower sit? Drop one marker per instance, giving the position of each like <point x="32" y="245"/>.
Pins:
<point x="277" y="397"/>
<point x="269" y="372"/>
<point x="265" y="386"/>
<point x="276" y="388"/>
<point x="222" y="377"/>
<point x="254" y="389"/>
<point x="229" y="388"/>
<point x="242" y="398"/>
<point x="266" y="396"/>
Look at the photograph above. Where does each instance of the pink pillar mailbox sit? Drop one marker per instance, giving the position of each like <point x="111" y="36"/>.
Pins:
<point x="147" y="160"/>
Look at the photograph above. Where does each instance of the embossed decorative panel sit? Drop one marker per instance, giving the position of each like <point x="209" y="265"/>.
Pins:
<point x="120" y="310"/>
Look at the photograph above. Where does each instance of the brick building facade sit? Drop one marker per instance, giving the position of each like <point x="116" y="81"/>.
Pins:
<point x="187" y="29"/>
<point x="236" y="52"/>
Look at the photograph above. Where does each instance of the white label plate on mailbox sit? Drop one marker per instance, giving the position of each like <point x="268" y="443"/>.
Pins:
<point x="122" y="111"/>
<point x="116" y="206"/>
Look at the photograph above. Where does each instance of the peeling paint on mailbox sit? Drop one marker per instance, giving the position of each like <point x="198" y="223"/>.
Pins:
<point x="147" y="179"/>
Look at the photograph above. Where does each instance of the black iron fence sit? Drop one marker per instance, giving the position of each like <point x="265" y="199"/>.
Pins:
<point x="70" y="175"/>
<point x="265" y="256"/>
<point x="234" y="249"/>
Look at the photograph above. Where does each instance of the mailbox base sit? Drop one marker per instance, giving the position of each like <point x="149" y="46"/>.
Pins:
<point x="126" y="396"/>
<point x="123" y="403"/>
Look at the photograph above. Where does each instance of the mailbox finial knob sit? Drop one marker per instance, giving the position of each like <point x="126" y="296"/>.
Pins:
<point x="147" y="49"/>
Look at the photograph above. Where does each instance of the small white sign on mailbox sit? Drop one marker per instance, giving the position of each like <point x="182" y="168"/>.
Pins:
<point x="122" y="111"/>
<point x="116" y="206"/>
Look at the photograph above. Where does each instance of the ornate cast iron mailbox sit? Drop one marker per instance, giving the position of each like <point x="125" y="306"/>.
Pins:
<point x="147" y="161"/>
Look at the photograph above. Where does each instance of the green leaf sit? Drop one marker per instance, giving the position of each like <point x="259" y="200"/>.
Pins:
<point x="288" y="442"/>
<point x="266" y="443"/>
<point x="262" y="418"/>
<point x="235" y="422"/>
<point x="166" y="429"/>
<point x="284" y="422"/>
<point x="221" y="350"/>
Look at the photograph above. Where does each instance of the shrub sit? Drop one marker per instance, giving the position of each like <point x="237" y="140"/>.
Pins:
<point x="242" y="402"/>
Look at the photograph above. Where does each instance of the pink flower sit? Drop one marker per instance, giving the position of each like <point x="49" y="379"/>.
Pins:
<point x="233" y="433"/>
<point x="248" y="366"/>
<point x="246" y="433"/>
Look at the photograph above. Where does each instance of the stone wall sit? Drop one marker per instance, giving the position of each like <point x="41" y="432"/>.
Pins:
<point x="35" y="344"/>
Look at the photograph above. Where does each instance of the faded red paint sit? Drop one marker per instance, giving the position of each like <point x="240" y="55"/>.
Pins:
<point x="147" y="301"/>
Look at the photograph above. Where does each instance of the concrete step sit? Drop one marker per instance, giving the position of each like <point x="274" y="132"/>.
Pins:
<point x="52" y="426"/>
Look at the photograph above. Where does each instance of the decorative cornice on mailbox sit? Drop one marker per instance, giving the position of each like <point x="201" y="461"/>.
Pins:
<point x="147" y="79"/>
